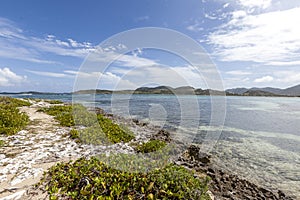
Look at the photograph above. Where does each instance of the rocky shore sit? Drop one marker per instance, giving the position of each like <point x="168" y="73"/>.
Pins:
<point x="224" y="185"/>
<point x="29" y="153"/>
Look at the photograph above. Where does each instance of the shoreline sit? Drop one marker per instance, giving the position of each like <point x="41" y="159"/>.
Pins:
<point x="223" y="185"/>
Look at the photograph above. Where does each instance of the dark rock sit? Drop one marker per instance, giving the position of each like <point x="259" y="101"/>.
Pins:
<point x="226" y="185"/>
<point x="139" y="123"/>
<point x="162" y="135"/>
<point x="194" y="153"/>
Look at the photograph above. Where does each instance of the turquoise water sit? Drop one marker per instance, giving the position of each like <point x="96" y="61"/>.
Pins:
<point x="259" y="141"/>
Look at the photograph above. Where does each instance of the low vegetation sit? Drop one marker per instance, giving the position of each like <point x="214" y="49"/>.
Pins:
<point x="2" y="143"/>
<point x="61" y="113"/>
<point x="13" y="102"/>
<point x="98" y="129"/>
<point x="150" y="146"/>
<point x="54" y="101"/>
<point x="93" y="179"/>
<point x="11" y="119"/>
<point x="113" y="131"/>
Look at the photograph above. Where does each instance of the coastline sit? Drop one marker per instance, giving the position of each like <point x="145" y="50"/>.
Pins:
<point x="223" y="185"/>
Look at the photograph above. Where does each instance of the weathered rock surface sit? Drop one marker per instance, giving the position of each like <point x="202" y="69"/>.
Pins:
<point x="225" y="185"/>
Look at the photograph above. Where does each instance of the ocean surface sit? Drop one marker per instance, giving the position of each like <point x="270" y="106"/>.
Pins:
<point x="257" y="138"/>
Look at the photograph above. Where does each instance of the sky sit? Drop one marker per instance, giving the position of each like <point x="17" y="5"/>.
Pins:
<point x="252" y="43"/>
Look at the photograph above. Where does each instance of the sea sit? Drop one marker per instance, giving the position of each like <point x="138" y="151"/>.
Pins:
<point x="257" y="138"/>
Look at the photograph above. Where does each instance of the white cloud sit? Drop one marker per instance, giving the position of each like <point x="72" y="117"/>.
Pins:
<point x="210" y="16"/>
<point x="106" y="80"/>
<point x="263" y="38"/>
<point x="170" y="76"/>
<point x="123" y="60"/>
<point x="255" y="3"/>
<point x="196" y="26"/>
<point x="285" y="63"/>
<point x="237" y="81"/>
<point x="9" y="78"/>
<point x="238" y="73"/>
<point x="48" y="74"/>
<point x="137" y="52"/>
<point x="287" y="77"/>
<point x="16" y="45"/>
<point x="264" y="79"/>
<point x="89" y="80"/>
<point x="9" y="30"/>
<point x="226" y="5"/>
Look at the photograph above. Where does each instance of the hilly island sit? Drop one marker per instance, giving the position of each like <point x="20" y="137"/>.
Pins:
<point x="188" y="90"/>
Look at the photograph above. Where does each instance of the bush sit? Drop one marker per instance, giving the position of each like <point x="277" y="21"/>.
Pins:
<point x="54" y="101"/>
<point x="98" y="127"/>
<point x="61" y="113"/>
<point x="2" y="143"/>
<point x="113" y="132"/>
<point x="12" y="102"/>
<point x="90" y="135"/>
<point x="150" y="146"/>
<point x="93" y="179"/>
<point x="11" y="119"/>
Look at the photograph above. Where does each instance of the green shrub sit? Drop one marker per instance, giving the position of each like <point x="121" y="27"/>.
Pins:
<point x="93" y="179"/>
<point x="61" y="113"/>
<point x="150" y="146"/>
<point x="12" y="102"/>
<point x="113" y="132"/>
<point x="74" y="134"/>
<point x="97" y="126"/>
<point x="90" y="135"/>
<point x="54" y="101"/>
<point x="2" y="143"/>
<point x="11" y="119"/>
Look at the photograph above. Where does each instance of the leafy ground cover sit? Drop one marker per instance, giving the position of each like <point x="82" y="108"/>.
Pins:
<point x="98" y="129"/>
<point x="150" y="146"/>
<point x="54" y="101"/>
<point x="93" y="179"/>
<point x="11" y="119"/>
<point x="2" y="143"/>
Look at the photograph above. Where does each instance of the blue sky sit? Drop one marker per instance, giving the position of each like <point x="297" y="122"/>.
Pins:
<point x="252" y="42"/>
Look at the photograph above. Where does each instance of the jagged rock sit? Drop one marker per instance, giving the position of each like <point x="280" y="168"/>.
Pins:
<point x="194" y="153"/>
<point x="162" y="135"/>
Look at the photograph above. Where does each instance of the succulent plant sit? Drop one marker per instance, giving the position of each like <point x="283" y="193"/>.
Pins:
<point x="98" y="129"/>
<point x="93" y="179"/>
<point x="11" y="119"/>
<point x="150" y="146"/>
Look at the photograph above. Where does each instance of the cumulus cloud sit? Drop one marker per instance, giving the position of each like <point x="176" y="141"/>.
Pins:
<point x="9" y="78"/>
<point x="263" y="38"/>
<point x="263" y="4"/>
<point x="264" y="79"/>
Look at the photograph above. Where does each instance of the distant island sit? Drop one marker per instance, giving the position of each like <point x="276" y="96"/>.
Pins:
<point x="184" y="90"/>
<point x="188" y="90"/>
